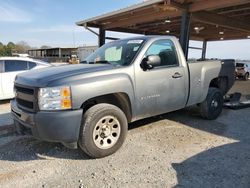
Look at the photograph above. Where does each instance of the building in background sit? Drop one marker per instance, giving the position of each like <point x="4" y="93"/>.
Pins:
<point x="53" y="54"/>
<point x="84" y="51"/>
<point x="61" y="54"/>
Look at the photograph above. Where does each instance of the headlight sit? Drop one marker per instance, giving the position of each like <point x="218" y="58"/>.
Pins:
<point x="54" y="98"/>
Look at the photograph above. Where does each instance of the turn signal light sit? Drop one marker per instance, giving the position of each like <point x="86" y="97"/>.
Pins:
<point x="66" y="103"/>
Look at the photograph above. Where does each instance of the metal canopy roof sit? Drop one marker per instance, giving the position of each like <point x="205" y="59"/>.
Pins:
<point x="210" y="19"/>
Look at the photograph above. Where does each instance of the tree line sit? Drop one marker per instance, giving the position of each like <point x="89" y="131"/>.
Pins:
<point x="19" y="48"/>
<point x="11" y="47"/>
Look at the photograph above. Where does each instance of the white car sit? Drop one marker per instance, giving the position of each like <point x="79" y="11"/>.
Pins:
<point x="10" y="67"/>
<point x="242" y="70"/>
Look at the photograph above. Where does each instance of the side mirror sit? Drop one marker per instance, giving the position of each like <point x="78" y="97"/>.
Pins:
<point x="150" y="62"/>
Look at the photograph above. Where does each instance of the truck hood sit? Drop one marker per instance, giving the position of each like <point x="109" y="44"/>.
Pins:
<point x="41" y="77"/>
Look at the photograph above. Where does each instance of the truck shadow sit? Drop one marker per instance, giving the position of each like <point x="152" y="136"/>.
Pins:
<point x="223" y="166"/>
<point x="26" y="148"/>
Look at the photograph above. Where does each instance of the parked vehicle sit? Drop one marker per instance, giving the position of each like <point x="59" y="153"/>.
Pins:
<point x="10" y="67"/>
<point x="74" y="60"/>
<point x="90" y="105"/>
<point x="242" y="70"/>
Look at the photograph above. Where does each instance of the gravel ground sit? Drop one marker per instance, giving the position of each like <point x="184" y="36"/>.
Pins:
<point x="242" y="87"/>
<point x="5" y="117"/>
<point x="178" y="149"/>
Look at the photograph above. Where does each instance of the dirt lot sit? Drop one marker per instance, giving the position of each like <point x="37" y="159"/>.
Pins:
<point x="178" y="149"/>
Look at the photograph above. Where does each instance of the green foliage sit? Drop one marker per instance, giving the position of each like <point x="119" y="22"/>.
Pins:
<point x="45" y="47"/>
<point x="11" y="45"/>
<point x="7" y="50"/>
<point x="2" y="50"/>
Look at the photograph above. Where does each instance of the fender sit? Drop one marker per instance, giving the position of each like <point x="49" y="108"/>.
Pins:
<point x="102" y="85"/>
<point x="201" y="75"/>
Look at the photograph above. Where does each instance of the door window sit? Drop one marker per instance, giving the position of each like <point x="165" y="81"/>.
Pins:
<point x="165" y="49"/>
<point x="15" y="65"/>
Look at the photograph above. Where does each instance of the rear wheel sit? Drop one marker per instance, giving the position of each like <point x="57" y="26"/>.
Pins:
<point x="103" y="131"/>
<point x="212" y="106"/>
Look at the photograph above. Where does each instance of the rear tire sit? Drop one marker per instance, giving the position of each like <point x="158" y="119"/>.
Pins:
<point x="212" y="106"/>
<point x="103" y="130"/>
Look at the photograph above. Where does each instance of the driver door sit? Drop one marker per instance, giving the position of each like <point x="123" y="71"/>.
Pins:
<point x="163" y="88"/>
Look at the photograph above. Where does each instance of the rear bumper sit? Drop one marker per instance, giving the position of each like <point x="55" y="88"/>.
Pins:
<point x="58" y="126"/>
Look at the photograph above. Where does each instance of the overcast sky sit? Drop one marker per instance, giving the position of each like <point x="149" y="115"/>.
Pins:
<point x="52" y="22"/>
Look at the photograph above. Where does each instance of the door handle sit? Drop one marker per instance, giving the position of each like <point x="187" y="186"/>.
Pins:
<point x="177" y="75"/>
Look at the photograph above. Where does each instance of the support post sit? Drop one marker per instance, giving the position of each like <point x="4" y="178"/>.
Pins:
<point x="184" y="35"/>
<point x="101" y="38"/>
<point x="59" y="52"/>
<point x="204" y="50"/>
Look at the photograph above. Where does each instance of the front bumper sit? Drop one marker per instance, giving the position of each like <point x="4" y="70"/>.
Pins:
<point x="56" y="126"/>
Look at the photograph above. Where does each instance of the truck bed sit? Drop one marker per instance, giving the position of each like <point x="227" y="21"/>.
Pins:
<point x="202" y="72"/>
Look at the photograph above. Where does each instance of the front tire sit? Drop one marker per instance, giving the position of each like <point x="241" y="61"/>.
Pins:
<point x="103" y="130"/>
<point x="212" y="106"/>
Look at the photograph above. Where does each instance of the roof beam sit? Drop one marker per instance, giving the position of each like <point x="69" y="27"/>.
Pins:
<point x="212" y="34"/>
<point x="243" y="8"/>
<point x="214" y="4"/>
<point x="142" y="18"/>
<point x="158" y="23"/>
<point x="231" y="38"/>
<point x="135" y="31"/>
<point x="217" y="37"/>
<point x="127" y="14"/>
<point x="216" y="19"/>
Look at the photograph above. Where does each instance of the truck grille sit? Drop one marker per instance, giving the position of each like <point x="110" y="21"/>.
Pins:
<point x="26" y="98"/>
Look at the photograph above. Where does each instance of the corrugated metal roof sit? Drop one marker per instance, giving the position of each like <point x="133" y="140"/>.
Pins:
<point x="215" y="19"/>
<point x="123" y="10"/>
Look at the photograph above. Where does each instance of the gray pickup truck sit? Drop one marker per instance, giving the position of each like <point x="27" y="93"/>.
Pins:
<point x="90" y="105"/>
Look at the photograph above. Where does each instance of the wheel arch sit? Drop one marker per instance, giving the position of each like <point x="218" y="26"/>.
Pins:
<point x="121" y="100"/>
<point x="221" y="82"/>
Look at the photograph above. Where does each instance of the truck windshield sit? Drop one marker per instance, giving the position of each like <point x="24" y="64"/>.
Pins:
<point x="120" y="52"/>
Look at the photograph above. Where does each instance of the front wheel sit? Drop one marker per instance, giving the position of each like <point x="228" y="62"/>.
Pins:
<point x="103" y="130"/>
<point x="212" y="106"/>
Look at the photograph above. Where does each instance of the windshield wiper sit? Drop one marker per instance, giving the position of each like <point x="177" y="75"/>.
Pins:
<point x="96" y="62"/>
<point x="101" y="62"/>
